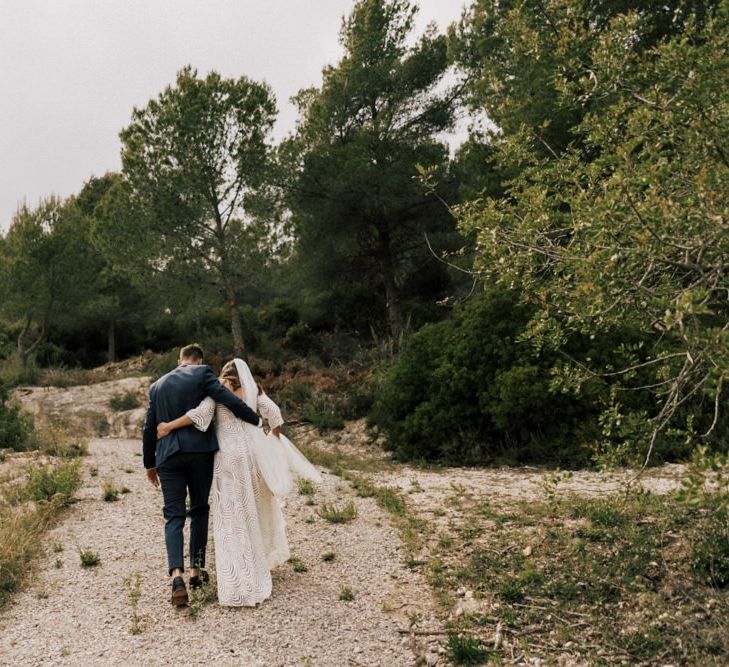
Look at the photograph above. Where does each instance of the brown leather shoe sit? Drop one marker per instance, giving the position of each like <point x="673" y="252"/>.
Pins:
<point x="179" y="592"/>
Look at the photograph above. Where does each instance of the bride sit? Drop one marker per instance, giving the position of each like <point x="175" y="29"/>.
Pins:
<point x="251" y="470"/>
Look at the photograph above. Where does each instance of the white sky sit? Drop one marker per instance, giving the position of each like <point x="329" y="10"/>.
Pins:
<point x="72" y="70"/>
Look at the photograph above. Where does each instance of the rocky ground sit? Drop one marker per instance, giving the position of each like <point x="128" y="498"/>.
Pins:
<point x="118" y="612"/>
<point x="87" y="409"/>
<point x="71" y="615"/>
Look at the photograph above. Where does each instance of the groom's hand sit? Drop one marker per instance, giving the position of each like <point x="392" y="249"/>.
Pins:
<point x="152" y="476"/>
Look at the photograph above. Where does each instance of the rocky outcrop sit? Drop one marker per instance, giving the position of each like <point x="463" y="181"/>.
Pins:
<point x="96" y="410"/>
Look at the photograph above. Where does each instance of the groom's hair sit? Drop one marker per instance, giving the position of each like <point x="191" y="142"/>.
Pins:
<point x="192" y="352"/>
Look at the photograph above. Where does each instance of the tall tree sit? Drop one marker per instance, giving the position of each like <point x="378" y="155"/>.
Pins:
<point x="194" y="166"/>
<point x="628" y="223"/>
<point x="118" y="303"/>
<point x="523" y="56"/>
<point x="359" y="212"/>
<point x="46" y="270"/>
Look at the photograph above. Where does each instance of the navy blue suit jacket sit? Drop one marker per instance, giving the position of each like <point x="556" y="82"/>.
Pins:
<point x="171" y="397"/>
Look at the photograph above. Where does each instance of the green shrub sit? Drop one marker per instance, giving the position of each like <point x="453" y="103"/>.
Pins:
<point x="126" y="401"/>
<point x="297" y="564"/>
<point x="305" y="487"/>
<point x="710" y="551"/>
<point x="15" y="374"/>
<point x="323" y="413"/>
<point x="465" y="650"/>
<point x="15" y="425"/>
<point x="55" y="440"/>
<point x="44" y="482"/>
<point x="163" y="364"/>
<point x="467" y="391"/>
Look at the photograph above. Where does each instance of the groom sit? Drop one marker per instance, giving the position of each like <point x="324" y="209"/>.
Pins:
<point x="182" y="462"/>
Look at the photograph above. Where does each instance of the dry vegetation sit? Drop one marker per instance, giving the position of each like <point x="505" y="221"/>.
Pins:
<point x="624" y="578"/>
<point x="35" y="486"/>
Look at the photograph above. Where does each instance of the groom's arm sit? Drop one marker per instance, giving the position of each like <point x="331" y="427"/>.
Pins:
<point x="213" y="388"/>
<point x="149" y="433"/>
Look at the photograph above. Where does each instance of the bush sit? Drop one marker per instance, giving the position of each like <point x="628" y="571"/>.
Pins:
<point x="46" y="482"/>
<point x="15" y="425"/>
<point x="710" y="553"/>
<point x="15" y="374"/>
<point x="126" y="401"/>
<point x="466" y="391"/>
<point x="55" y="440"/>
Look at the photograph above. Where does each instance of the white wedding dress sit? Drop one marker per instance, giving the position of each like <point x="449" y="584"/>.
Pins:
<point x="251" y="469"/>
<point x="248" y="525"/>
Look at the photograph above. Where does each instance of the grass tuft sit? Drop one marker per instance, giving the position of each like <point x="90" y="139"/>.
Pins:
<point x="109" y="492"/>
<point x="89" y="558"/>
<point x="346" y="594"/>
<point x="297" y="564"/>
<point x="466" y="650"/>
<point x="335" y="514"/>
<point x="305" y="486"/>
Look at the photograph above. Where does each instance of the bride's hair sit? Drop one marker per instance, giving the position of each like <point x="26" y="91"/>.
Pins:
<point x="230" y="373"/>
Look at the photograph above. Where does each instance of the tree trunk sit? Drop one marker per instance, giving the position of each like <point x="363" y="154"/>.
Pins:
<point x="392" y="297"/>
<point x="23" y="352"/>
<point x="111" y="349"/>
<point x="394" y="311"/>
<point x="237" y="330"/>
<point x="236" y="327"/>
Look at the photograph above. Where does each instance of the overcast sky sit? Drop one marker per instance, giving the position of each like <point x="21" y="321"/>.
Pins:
<point x="72" y="70"/>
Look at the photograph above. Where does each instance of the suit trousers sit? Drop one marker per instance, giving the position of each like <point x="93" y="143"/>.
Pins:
<point x="183" y="472"/>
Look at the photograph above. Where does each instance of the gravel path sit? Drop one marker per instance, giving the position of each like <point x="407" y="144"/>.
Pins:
<point x="70" y="615"/>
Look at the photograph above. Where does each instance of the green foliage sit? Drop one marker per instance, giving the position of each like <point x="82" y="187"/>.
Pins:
<point x="45" y="482"/>
<point x="305" y="487"/>
<point x="466" y="650"/>
<point x="613" y="146"/>
<point x="207" y="220"/>
<point x="469" y="391"/>
<point x="346" y="594"/>
<point x="710" y="552"/>
<point x="707" y="485"/>
<point x="359" y="214"/>
<point x="15" y="425"/>
<point x="89" y="558"/>
<point x="390" y="500"/>
<point x="334" y="514"/>
<point x="47" y="271"/>
<point x="55" y="440"/>
<point x="297" y="564"/>
<point x="126" y="401"/>
<point x="109" y="492"/>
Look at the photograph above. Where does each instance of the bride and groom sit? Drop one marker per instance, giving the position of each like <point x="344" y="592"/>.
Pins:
<point x="246" y="469"/>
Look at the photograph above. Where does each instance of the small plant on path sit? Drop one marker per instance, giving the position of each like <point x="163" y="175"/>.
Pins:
<point x="335" y="514"/>
<point x="109" y="492"/>
<point x="89" y="558"/>
<point x="346" y="594"/>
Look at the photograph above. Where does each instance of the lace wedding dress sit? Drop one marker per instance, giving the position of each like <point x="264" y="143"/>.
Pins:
<point x="248" y="525"/>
